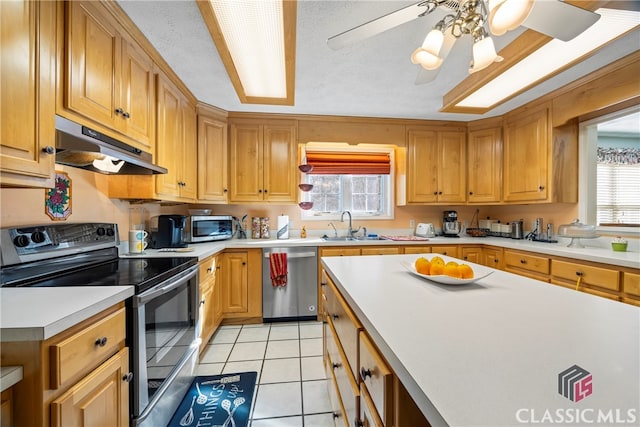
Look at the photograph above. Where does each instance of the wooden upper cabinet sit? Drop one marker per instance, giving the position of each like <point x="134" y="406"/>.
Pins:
<point x="526" y="156"/>
<point x="177" y="144"/>
<point x="263" y="159"/>
<point x="27" y="106"/>
<point x="436" y="166"/>
<point x="484" y="159"/>
<point x="109" y="78"/>
<point x="212" y="158"/>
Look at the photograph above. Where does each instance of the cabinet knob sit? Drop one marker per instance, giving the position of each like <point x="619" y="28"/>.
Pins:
<point x="265" y="190"/>
<point x="125" y="115"/>
<point x="101" y="342"/>
<point x="209" y="270"/>
<point x="335" y="365"/>
<point x="439" y="193"/>
<point x="202" y="302"/>
<point x="358" y="423"/>
<point x="335" y="415"/>
<point x="541" y="188"/>
<point x="523" y="261"/>
<point x="128" y="377"/>
<point x="217" y="267"/>
<point x="444" y="253"/>
<point x="435" y="193"/>
<point x="225" y="190"/>
<point x="579" y="273"/>
<point x="119" y="111"/>
<point x="496" y="260"/>
<point x="471" y="193"/>
<point x="49" y="150"/>
<point x="335" y="316"/>
<point x="465" y="257"/>
<point x="244" y="263"/>
<point x="364" y="373"/>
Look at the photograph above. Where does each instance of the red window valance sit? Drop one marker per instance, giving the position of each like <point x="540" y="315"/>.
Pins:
<point x="336" y="163"/>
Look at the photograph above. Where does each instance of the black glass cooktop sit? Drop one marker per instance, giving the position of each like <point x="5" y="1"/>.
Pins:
<point x="100" y="270"/>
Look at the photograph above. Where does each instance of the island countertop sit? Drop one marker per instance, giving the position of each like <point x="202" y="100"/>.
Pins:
<point x="490" y="353"/>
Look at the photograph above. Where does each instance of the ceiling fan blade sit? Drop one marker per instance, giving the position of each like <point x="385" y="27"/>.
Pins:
<point x="427" y="76"/>
<point x="378" y="25"/>
<point x="560" y="20"/>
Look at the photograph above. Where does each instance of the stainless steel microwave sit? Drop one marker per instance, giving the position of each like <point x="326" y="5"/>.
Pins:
<point x="208" y="228"/>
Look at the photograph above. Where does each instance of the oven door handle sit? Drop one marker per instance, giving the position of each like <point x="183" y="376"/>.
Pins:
<point x="166" y="286"/>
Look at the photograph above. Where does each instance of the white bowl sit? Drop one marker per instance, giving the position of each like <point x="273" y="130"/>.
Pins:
<point x="479" y="272"/>
<point x="199" y="211"/>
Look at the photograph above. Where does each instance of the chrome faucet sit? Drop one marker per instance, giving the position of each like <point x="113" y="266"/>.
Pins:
<point x="350" y="230"/>
<point x="335" y="232"/>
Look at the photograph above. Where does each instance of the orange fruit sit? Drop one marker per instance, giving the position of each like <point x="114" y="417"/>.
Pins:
<point x="451" y="270"/>
<point x="465" y="271"/>
<point x="422" y="265"/>
<point x="451" y="263"/>
<point x="437" y="260"/>
<point x="437" y="269"/>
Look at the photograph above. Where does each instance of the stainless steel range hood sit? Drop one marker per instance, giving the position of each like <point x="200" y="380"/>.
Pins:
<point x="82" y="147"/>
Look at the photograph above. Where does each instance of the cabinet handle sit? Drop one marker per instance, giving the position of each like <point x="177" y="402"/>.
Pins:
<point x="119" y="111"/>
<point x="523" y="261"/>
<point x="471" y="193"/>
<point x="335" y="316"/>
<point x="439" y="193"/>
<point x="101" y="342"/>
<point x="49" y="150"/>
<point x="125" y="115"/>
<point x="202" y="302"/>
<point x="244" y="263"/>
<point x="579" y="273"/>
<point x="465" y="257"/>
<point x="336" y="415"/>
<point x="225" y="190"/>
<point x="435" y="193"/>
<point x="364" y="373"/>
<point x="217" y="267"/>
<point x="128" y="377"/>
<point x="260" y="191"/>
<point x="496" y="260"/>
<point x="444" y="253"/>
<point x="265" y="191"/>
<point x="541" y="188"/>
<point x="209" y="270"/>
<point x="358" y="423"/>
<point x="335" y="365"/>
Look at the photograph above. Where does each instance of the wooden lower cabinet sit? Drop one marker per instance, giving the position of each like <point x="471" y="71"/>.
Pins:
<point x="493" y="257"/>
<point x="98" y="399"/>
<point x="6" y="408"/>
<point x="241" y="275"/>
<point x="448" y="250"/>
<point x="472" y="254"/>
<point x="381" y="250"/>
<point x="590" y="278"/>
<point x="417" y="250"/>
<point x="210" y="300"/>
<point x="527" y="264"/>
<point x="631" y="287"/>
<point x="68" y="380"/>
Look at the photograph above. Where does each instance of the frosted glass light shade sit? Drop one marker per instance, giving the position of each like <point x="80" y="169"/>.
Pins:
<point x="427" y="60"/>
<point x="484" y="54"/>
<point x="433" y="42"/>
<point x="506" y="15"/>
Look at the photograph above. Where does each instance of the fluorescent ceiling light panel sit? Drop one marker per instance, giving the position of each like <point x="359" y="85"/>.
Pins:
<point x="551" y="57"/>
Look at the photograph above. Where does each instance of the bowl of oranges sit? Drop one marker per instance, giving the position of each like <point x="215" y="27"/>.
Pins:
<point x="446" y="271"/>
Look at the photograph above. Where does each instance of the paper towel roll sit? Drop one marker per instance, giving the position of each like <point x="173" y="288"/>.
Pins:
<point x="283" y="227"/>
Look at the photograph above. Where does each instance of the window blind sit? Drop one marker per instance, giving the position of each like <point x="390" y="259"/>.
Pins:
<point x="344" y="163"/>
<point x="618" y="192"/>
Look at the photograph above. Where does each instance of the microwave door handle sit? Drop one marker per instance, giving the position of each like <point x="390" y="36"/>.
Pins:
<point x="167" y="286"/>
<point x="300" y="255"/>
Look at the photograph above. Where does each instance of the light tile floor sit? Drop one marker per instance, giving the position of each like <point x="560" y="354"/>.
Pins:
<point x="292" y="385"/>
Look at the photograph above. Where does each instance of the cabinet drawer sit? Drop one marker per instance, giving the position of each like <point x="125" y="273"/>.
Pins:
<point x="417" y="249"/>
<point x="631" y="283"/>
<point x="527" y="262"/>
<point x="601" y="294"/>
<point x="368" y="414"/>
<point x="445" y="250"/>
<point x="87" y="348"/>
<point x="380" y="251"/>
<point x="377" y="378"/>
<point x="591" y="276"/>
<point x="345" y="323"/>
<point x="339" y="419"/>
<point x="339" y="251"/>
<point x="207" y="270"/>
<point x="340" y="370"/>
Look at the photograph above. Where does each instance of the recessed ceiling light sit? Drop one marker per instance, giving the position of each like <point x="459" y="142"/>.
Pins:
<point x="256" y="41"/>
<point x="548" y="60"/>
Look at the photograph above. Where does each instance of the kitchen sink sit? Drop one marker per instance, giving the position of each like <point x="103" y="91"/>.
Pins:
<point x="348" y="239"/>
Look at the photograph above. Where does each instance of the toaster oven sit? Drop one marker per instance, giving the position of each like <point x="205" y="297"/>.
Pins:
<point x="208" y="228"/>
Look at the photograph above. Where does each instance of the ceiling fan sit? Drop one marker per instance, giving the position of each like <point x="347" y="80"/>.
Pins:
<point x="473" y="17"/>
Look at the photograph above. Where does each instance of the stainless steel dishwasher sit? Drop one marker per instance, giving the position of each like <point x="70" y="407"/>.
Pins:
<point x="298" y="299"/>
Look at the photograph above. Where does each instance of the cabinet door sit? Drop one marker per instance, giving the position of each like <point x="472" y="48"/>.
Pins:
<point x="189" y="153"/>
<point x="484" y="151"/>
<point x="452" y="167"/>
<point x="168" y="139"/>
<point x="245" y="169"/>
<point x="422" y="166"/>
<point x="472" y="254"/>
<point x="280" y="159"/>
<point x="101" y="398"/>
<point x="138" y="96"/>
<point x="207" y="313"/>
<point x="27" y="98"/>
<point x="94" y="52"/>
<point x="493" y="257"/>
<point x="526" y="157"/>
<point x="235" y="282"/>
<point x="212" y="160"/>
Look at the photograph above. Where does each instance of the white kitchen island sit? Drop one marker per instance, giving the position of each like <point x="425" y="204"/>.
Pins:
<point x="490" y="353"/>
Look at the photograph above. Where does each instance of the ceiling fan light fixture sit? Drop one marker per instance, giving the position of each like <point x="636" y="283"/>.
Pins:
<point x="484" y="54"/>
<point x="426" y="59"/>
<point x="433" y="42"/>
<point x="507" y="15"/>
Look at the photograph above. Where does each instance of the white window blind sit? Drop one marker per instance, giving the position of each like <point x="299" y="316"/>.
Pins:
<point x="618" y="199"/>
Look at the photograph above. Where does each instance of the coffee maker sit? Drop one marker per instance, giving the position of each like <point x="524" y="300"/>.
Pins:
<point x="450" y="224"/>
<point x="167" y="231"/>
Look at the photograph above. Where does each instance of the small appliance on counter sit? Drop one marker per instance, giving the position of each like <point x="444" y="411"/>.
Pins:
<point x="517" y="229"/>
<point x="425" y="230"/>
<point x="168" y="231"/>
<point x="450" y="224"/>
<point x="208" y="228"/>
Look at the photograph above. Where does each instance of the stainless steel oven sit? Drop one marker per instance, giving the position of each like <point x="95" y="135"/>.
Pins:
<point x="162" y="316"/>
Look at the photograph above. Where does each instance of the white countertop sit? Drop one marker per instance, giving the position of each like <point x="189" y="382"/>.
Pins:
<point x="594" y="254"/>
<point x="9" y="376"/>
<point x="475" y="355"/>
<point x="34" y="314"/>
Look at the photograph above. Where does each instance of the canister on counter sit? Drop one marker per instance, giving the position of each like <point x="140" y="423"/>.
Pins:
<point x="255" y="227"/>
<point x="264" y="227"/>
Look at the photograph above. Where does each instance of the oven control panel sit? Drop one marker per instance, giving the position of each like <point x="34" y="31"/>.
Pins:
<point x="44" y="241"/>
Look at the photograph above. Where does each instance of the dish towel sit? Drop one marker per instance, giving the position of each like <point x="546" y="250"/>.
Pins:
<point x="278" y="267"/>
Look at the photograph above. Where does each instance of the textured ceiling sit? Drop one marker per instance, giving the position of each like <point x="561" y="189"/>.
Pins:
<point x="372" y="78"/>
